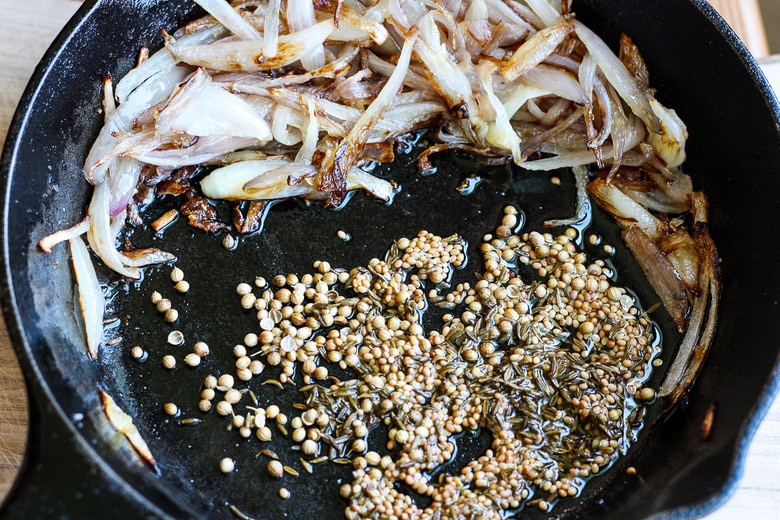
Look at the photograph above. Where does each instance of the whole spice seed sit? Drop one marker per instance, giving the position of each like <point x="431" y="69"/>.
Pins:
<point x="177" y="275"/>
<point x="171" y="315"/>
<point x="227" y="465"/>
<point x="138" y="353"/>
<point x="547" y="365"/>
<point x="192" y="359"/>
<point x="201" y="349"/>
<point x="175" y="337"/>
<point x="169" y="362"/>
<point x="275" y="469"/>
<point x="171" y="409"/>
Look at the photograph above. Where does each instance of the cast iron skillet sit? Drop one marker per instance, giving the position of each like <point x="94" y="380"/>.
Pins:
<point x="77" y="466"/>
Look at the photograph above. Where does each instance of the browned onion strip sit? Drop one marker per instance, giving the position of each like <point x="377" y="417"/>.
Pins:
<point x="90" y="296"/>
<point x="659" y="272"/>
<point x="123" y="423"/>
<point x="690" y="359"/>
<point x="333" y="178"/>
<point x="535" y="49"/>
<point x="49" y="241"/>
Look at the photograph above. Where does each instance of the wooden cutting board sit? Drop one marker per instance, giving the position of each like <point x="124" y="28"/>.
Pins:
<point x="26" y="30"/>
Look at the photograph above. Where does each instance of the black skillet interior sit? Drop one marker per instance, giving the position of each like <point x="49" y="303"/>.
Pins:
<point x="79" y="467"/>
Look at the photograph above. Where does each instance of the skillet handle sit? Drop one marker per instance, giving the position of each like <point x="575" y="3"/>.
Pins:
<point x="59" y="479"/>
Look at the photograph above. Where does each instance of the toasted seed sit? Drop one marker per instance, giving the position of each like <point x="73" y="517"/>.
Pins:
<point x="275" y="469"/>
<point x="169" y="362"/>
<point x="270" y="454"/>
<point x="171" y="315"/>
<point x="192" y="359"/>
<point x="227" y="465"/>
<point x="177" y="275"/>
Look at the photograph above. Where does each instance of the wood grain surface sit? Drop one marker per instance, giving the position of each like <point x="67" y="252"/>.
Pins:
<point x="26" y="30"/>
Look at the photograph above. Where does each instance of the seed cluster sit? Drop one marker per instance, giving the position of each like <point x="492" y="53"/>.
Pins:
<point x="553" y="368"/>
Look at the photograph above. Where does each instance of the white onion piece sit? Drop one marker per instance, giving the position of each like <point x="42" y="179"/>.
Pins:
<point x="300" y="14"/>
<point x="500" y="11"/>
<point x="500" y="132"/>
<point x="227" y="16"/>
<point x="401" y="118"/>
<point x="101" y="236"/>
<point x="281" y="126"/>
<point x="669" y="143"/>
<point x="109" y="100"/>
<point x="49" y="241"/>
<point x="153" y="91"/>
<point x="477" y="10"/>
<point x="271" y="28"/>
<point x="255" y="84"/>
<point x="204" y="150"/>
<point x="618" y="76"/>
<point x="558" y="81"/>
<point x="279" y="178"/>
<point x="412" y="79"/>
<point x="359" y="179"/>
<point x="311" y="131"/>
<point x="624" y="208"/>
<point x="146" y="257"/>
<point x="536" y="49"/>
<point x="248" y="55"/>
<point x="564" y="160"/>
<point x="446" y="77"/>
<point x="162" y="61"/>
<point x="519" y="95"/>
<point x="352" y="145"/>
<point x="199" y="108"/>
<point x="122" y="182"/>
<point x="228" y="182"/>
<point x="353" y="26"/>
<point x="545" y="10"/>
<point x="90" y="295"/>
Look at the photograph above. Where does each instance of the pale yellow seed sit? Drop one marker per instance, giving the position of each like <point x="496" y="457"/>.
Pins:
<point x="233" y="396"/>
<point x="201" y="349"/>
<point x="171" y="315"/>
<point x="309" y="447"/>
<point x="169" y="362"/>
<point x="192" y="359"/>
<point x="275" y="469"/>
<point x="177" y="275"/>
<point x="227" y="465"/>
<point x="224" y="408"/>
<point x="226" y="380"/>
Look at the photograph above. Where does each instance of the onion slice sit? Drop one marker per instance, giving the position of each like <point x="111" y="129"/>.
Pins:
<point x="617" y="74"/>
<point x="229" y="17"/>
<point x="123" y="423"/>
<point x="90" y="296"/>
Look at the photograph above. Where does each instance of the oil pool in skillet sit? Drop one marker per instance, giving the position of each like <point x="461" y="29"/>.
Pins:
<point x="547" y="355"/>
